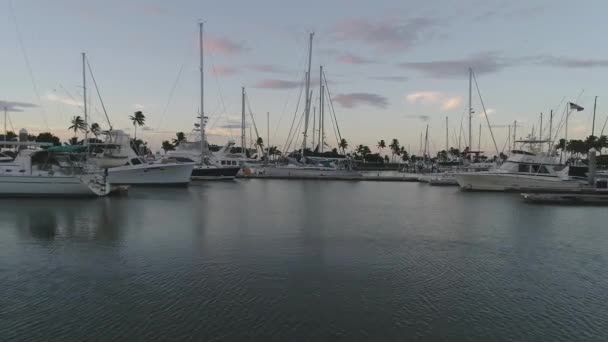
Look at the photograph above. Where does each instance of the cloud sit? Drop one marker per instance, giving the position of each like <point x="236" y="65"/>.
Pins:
<point x="423" y="118"/>
<point x="386" y="35"/>
<point x="64" y="100"/>
<point x="423" y="97"/>
<point x="233" y="125"/>
<point x="389" y="78"/>
<point x="15" y="106"/>
<point x="152" y="10"/>
<point x="224" y="46"/>
<point x="482" y="63"/>
<point x="352" y="59"/>
<point x="138" y="106"/>
<point x="277" y="84"/>
<point x="354" y="99"/>
<point x="434" y="97"/>
<point x="224" y="70"/>
<point x="568" y="62"/>
<point x="451" y="102"/>
<point x="147" y="129"/>
<point x="265" y="68"/>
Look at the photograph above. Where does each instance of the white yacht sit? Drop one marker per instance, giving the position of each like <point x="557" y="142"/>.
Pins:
<point x="31" y="171"/>
<point x="207" y="165"/>
<point x="137" y="171"/>
<point x="525" y="170"/>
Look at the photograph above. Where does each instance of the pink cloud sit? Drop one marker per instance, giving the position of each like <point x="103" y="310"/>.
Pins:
<point x="224" y="46"/>
<point x="224" y="70"/>
<point x="352" y="59"/>
<point x="277" y="84"/>
<point x="152" y="10"/>
<point x="352" y="100"/>
<point x="386" y="35"/>
<point x="266" y="68"/>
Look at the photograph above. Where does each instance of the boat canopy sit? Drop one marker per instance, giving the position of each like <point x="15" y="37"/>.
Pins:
<point x="67" y="149"/>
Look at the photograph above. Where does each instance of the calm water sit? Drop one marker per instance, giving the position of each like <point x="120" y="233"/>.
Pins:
<point x="302" y="260"/>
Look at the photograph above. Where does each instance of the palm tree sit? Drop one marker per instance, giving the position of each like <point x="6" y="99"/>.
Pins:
<point x="167" y="146"/>
<point x="394" y="146"/>
<point x="77" y="125"/>
<point x="381" y="144"/>
<point x="180" y="137"/>
<point x="95" y="129"/>
<point x="343" y="144"/>
<point x="259" y="142"/>
<point x="602" y="142"/>
<point x="138" y="119"/>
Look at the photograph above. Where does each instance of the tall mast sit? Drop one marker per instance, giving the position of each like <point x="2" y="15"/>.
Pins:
<point x="308" y="96"/>
<point x="321" y="109"/>
<point x="514" y="132"/>
<point x="426" y="142"/>
<point x="84" y="93"/>
<point x="243" y="141"/>
<point x="267" y="135"/>
<point x="479" y="139"/>
<point x="470" y="108"/>
<point x="5" y="130"/>
<point x="202" y="71"/>
<point x="593" y="124"/>
<point x="540" y="131"/>
<point x="314" y="126"/>
<point x="550" y="129"/>
<point x="447" y="143"/>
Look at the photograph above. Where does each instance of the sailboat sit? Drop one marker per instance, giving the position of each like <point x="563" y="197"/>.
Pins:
<point x="303" y="166"/>
<point x="121" y="164"/>
<point x="207" y="166"/>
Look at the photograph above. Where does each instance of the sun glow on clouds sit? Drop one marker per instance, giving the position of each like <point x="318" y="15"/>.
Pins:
<point x="445" y="101"/>
<point x="64" y="100"/>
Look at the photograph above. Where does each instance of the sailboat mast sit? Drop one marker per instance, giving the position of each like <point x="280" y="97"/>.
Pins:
<point x="550" y="129"/>
<point x="514" y="133"/>
<point x="308" y="95"/>
<point x="321" y="108"/>
<point x="84" y="94"/>
<point x="426" y="142"/>
<point x="447" y="142"/>
<point x="593" y="124"/>
<point x="470" y="108"/>
<point x="314" y="126"/>
<point x="243" y="141"/>
<point x="202" y="72"/>
<point x="479" y="139"/>
<point x="540" y="132"/>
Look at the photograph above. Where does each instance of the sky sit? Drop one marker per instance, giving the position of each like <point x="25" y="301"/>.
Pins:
<point x="393" y="67"/>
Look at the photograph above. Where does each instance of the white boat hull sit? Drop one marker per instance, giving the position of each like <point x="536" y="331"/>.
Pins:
<point x="48" y="186"/>
<point x="304" y="172"/>
<point x="514" y="182"/>
<point x="151" y="174"/>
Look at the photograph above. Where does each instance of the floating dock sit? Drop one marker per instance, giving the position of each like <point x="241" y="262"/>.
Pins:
<point x="567" y="199"/>
<point x="364" y="177"/>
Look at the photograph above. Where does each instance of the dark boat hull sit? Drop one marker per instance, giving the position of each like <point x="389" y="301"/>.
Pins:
<point x="215" y="173"/>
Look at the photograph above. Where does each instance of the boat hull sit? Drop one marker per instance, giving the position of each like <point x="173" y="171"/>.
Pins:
<point x="303" y="173"/>
<point x="151" y="174"/>
<point x="510" y="182"/>
<point x="45" y="186"/>
<point x="215" y="173"/>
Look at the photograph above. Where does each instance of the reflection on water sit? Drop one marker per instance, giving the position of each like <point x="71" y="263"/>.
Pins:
<point x="44" y="219"/>
<point x="302" y="260"/>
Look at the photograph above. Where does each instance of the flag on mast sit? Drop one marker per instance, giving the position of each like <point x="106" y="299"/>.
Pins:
<point x="575" y="106"/>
